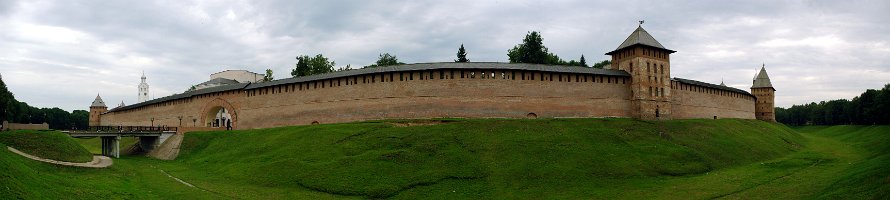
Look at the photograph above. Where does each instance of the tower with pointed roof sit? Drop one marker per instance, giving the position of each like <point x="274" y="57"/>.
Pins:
<point x="96" y="109"/>
<point x="762" y="89"/>
<point x="143" y="90"/>
<point x="648" y="63"/>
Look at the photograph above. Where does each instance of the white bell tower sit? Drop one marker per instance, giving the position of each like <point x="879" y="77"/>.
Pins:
<point x="143" y="90"/>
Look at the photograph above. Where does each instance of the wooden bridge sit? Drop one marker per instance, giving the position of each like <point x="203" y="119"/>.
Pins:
<point x="149" y="136"/>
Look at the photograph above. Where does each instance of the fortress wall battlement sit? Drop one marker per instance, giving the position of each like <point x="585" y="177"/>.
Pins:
<point x="429" y="93"/>
<point x="496" y="92"/>
<point x="637" y="84"/>
<point x="481" y="93"/>
<point x="697" y="101"/>
<point x="167" y="113"/>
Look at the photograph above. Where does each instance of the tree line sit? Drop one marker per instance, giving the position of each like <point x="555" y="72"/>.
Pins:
<point x="15" y="111"/>
<point x="531" y="50"/>
<point x="870" y="108"/>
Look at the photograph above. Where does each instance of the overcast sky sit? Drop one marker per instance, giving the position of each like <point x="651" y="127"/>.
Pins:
<point x="63" y="53"/>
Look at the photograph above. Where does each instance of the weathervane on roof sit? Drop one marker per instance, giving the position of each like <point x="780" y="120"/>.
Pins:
<point x="641" y="22"/>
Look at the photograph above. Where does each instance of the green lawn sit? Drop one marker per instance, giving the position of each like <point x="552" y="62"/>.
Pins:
<point x="867" y="176"/>
<point x="46" y="144"/>
<point x="489" y="158"/>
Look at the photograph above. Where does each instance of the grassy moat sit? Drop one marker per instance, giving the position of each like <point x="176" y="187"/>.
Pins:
<point x="485" y="158"/>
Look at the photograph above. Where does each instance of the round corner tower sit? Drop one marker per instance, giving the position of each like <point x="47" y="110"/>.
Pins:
<point x="649" y="64"/>
<point x="765" y="94"/>
<point x="96" y="109"/>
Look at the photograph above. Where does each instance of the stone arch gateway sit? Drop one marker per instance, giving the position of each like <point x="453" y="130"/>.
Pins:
<point x="209" y="114"/>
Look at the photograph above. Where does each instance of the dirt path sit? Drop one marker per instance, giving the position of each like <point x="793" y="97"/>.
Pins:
<point x="98" y="161"/>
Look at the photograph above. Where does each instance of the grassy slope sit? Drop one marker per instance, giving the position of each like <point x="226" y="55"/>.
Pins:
<point x="128" y="178"/>
<point x="492" y="158"/>
<point x="553" y="158"/>
<point x="46" y="144"/>
<point x="868" y="178"/>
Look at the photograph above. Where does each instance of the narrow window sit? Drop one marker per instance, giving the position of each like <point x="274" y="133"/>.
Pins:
<point x="513" y="75"/>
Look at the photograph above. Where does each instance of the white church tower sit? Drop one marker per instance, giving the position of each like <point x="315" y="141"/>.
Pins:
<point x="143" y="90"/>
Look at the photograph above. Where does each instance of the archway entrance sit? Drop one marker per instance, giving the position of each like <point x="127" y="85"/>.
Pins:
<point x="219" y="113"/>
<point x="218" y="117"/>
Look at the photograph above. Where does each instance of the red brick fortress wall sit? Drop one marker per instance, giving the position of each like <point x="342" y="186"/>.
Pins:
<point x="434" y="90"/>
<point x="478" y="90"/>
<point x="480" y="93"/>
<point x="693" y="101"/>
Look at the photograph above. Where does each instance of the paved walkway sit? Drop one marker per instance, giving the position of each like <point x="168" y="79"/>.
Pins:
<point x="98" y="161"/>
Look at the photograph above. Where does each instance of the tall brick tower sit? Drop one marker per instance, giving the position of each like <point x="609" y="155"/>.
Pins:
<point x="764" y="106"/>
<point x="649" y="64"/>
<point x="98" y="107"/>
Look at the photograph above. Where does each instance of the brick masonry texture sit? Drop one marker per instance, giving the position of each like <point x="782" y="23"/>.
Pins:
<point x="638" y="85"/>
<point x="433" y="94"/>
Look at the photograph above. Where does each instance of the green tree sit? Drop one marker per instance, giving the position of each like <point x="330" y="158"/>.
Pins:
<point x="312" y="65"/>
<point x="553" y="59"/>
<point x="302" y="68"/>
<point x="320" y="65"/>
<point x="268" y="77"/>
<point x="81" y="119"/>
<point x="347" y="68"/>
<point x="869" y="108"/>
<point x="602" y="64"/>
<point x="6" y="101"/>
<point x="385" y="59"/>
<point x="531" y="50"/>
<point x="882" y="102"/>
<point x="583" y="63"/>
<point x="461" y="54"/>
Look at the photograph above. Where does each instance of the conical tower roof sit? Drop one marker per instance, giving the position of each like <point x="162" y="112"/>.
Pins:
<point x="640" y="37"/>
<point x="762" y="79"/>
<point x="98" y="102"/>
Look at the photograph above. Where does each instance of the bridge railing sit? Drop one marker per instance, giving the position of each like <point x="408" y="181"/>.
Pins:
<point x="131" y="129"/>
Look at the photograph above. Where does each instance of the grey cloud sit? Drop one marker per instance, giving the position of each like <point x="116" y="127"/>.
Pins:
<point x="188" y="40"/>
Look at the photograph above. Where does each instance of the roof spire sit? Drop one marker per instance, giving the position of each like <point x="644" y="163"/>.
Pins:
<point x="98" y="102"/>
<point x="640" y="37"/>
<point x="762" y="79"/>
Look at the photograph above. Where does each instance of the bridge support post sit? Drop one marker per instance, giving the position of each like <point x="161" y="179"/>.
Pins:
<point x="111" y="146"/>
<point x="117" y="146"/>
